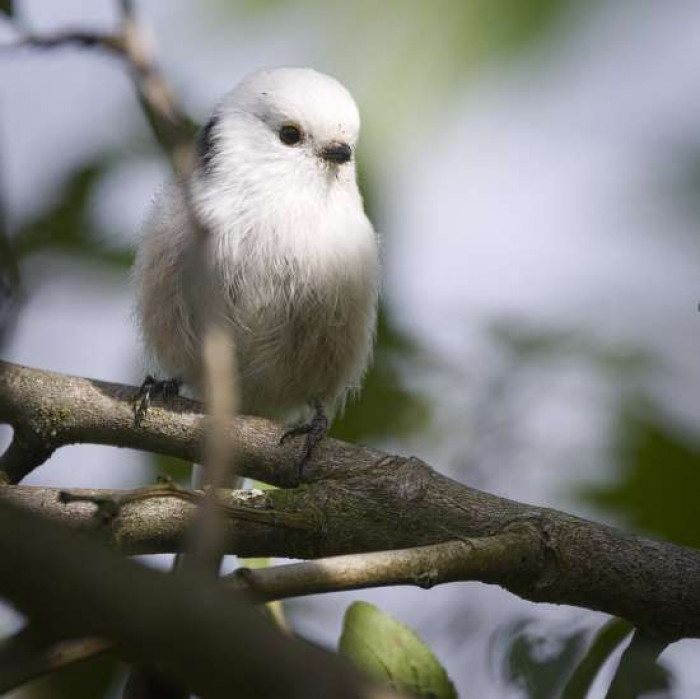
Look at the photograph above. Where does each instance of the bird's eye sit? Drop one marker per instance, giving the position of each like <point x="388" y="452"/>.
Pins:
<point x="290" y="134"/>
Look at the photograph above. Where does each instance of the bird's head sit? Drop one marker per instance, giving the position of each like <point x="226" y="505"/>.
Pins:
<point x="282" y="123"/>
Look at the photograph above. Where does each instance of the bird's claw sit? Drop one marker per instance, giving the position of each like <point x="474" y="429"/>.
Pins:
<point x="315" y="430"/>
<point x="150" y="388"/>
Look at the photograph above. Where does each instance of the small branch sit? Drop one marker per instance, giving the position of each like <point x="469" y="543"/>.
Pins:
<point x="111" y="503"/>
<point x="171" y="127"/>
<point x="26" y="451"/>
<point x="487" y="559"/>
<point x="208" y="533"/>
<point x="113" y="43"/>
<point x="169" y="124"/>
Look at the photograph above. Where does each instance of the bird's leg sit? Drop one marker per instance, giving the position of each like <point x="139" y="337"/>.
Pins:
<point x="150" y="388"/>
<point x="315" y="430"/>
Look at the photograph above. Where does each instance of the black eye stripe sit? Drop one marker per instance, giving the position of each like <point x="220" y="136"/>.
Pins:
<point x="206" y="143"/>
<point x="290" y="134"/>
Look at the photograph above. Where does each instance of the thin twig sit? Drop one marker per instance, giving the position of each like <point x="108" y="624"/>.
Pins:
<point x="171" y="128"/>
<point x="110" y="504"/>
<point x="484" y="559"/>
<point x="111" y="42"/>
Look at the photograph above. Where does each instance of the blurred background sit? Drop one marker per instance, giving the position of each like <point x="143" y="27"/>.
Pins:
<point x="533" y="168"/>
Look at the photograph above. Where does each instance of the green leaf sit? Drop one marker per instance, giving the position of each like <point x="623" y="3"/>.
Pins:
<point x="390" y="653"/>
<point x="7" y="7"/>
<point x="177" y="470"/>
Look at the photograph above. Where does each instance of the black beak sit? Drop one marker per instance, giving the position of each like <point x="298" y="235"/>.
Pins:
<point x="336" y="152"/>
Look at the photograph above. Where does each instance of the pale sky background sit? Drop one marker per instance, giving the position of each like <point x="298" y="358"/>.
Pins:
<point x="540" y="190"/>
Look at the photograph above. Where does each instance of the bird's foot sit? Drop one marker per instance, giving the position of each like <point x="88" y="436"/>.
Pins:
<point x="150" y="388"/>
<point x="315" y="430"/>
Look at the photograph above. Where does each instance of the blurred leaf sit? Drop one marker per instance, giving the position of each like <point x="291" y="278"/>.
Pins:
<point x="606" y="641"/>
<point x="414" y="55"/>
<point x="514" y="25"/>
<point x="65" y="225"/>
<point x="656" y="479"/>
<point x="385" y="407"/>
<point x="391" y="653"/>
<point x="7" y="7"/>
<point x="255" y="563"/>
<point x="503" y="23"/>
<point x="177" y="470"/>
<point x="540" y="664"/>
<point x="532" y="344"/>
<point x="638" y="672"/>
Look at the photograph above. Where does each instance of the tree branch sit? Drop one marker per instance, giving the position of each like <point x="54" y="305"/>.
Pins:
<point x="353" y="499"/>
<point x="171" y="127"/>
<point x="29" y="654"/>
<point x="187" y="625"/>
<point x="490" y="558"/>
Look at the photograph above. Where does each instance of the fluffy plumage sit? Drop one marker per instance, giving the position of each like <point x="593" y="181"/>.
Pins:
<point x="295" y="256"/>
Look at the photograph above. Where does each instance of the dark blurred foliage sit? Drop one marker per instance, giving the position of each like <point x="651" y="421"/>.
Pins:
<point x="62" y="226"/>
<point x="638" y="673"/>
<point x="385" y="407"/>
<point x="536" y="664"/>
<point x="654" y="472"/>
<point x="655" y="479"/>
<point x="549" y="664"/>
<point x="66" y="227"/>
<point x="528" y="345"/>
<point x="603" y="645"/>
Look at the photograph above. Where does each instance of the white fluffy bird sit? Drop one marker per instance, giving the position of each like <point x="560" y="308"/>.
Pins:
<point x="295" y="257"/>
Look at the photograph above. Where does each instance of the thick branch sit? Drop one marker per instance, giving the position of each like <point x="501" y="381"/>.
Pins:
<point x="206" y="637"/>
<point x="354" y="499"/>
<point x="424" y="566"/>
